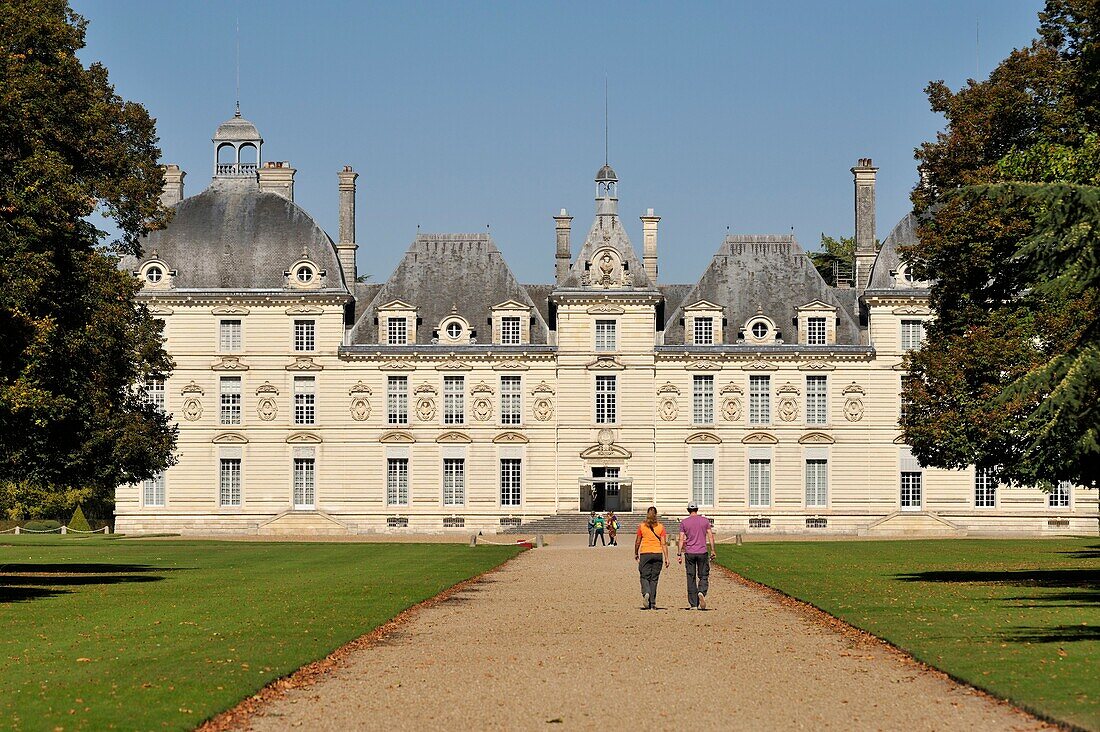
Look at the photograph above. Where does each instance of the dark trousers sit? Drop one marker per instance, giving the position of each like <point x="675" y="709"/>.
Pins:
<point x="591" y="536"/>
<point x="697" y="564"/>
<point x="649" y="569"/>
<point x="599" y="533"/>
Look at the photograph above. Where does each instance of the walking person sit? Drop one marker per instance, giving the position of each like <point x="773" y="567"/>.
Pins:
<point x="650" y="549"/>
<point x="695" y="536"/>
<point x="612" y="528"/>
<point x="599" y="519"/>
<point x="592" y="529"/>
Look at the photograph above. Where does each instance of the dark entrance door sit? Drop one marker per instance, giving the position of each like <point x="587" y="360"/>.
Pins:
<point x="606" y="489"/>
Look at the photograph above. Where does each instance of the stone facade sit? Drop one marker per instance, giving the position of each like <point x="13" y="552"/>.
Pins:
<point x="452" y="398"/>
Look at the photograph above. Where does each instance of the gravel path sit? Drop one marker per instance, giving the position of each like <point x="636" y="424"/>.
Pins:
<point x="557" y="636"/>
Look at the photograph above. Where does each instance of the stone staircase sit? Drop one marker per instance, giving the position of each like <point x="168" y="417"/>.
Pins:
<point x="577" y="523"/>
<point x="290" y="523"/>
<point x="912" y="523"/>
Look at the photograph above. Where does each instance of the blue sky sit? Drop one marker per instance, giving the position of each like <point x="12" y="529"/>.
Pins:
<point x="461" y="115"/>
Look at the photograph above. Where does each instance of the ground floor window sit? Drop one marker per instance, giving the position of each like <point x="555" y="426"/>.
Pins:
<point x="817" y="483"/>
<point x="1059" y="497"/>
<point x="154" y="490"/>
<point x="510" y="481"/>
<point x="229" y="482"/>
<point x="702" y="482"/>
<point x="760" y="482"/>
<point x="304" y="483"/>
<point x="397" y="481"/>
<point x="911" y="489"/>
<point x="454" y="481"/>
<point x="985" y="488"/>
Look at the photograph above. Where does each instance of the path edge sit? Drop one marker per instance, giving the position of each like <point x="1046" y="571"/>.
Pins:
<point x="239" y="716"/>
<point x="822" y="617"/>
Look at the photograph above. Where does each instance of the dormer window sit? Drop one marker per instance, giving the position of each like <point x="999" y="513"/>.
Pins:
<point x="305" y="274"/>
<point x="154" y="274"/>
<point x="454" y="330"/>
<point x="815" y="331"/>
<point x="704" y="331"/>
<point x="817" y="323"/>
<point x="397" y="323"/>
<point x="511" y="323"/>
<point x="397" y="331"/>
<point x="703" y="323"/>
<point x="759" y="330"/>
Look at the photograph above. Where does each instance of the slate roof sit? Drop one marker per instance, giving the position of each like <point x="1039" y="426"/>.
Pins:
<point x="887" y="261"/>
<point x="237" y="129"/>
<point x="233" y="236"/>
<point x="769" y="272"/>
<point x="607" y="230"/>
<point x="441" y="271"/>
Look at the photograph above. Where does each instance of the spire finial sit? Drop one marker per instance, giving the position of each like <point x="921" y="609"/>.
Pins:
<point x="606" y="158"/>
<point x="238" y="113"/>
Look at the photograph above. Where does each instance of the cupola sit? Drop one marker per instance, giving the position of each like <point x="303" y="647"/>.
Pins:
<point x="237" y="145"/>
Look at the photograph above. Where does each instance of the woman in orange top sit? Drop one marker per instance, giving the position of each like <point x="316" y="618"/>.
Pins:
<point x="650" y="548"/>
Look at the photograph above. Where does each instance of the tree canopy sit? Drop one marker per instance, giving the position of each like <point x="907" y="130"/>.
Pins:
<point x="836" y="255"/>
<point x="1009" y="220"/>
<point x="73" y="422"/>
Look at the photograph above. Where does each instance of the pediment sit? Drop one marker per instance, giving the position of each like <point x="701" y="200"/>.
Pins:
<point x="606" y="451"/>
<point x="230" y="438"/>
<point x="512" y="365"/>
<point x="304" y="363"/>
<point x="156" y="309"/>
<point x="900" y="440"/>
<point x="266" y="388"/>
<point x="426" y="388"/>
<point x="396" y="305"/>
<point x="605" y="363"/>
<point x="668" y="388"/>
<point x="482" y="388"/>
<point x="788" y="388"/>
<point x="854" y="388"/>
<point x="912" y="310"/>
<point x="606" y="308"/>
<point x="760" y="366"/>
<point x="192" y="388"/>
<point x="816" y="365"/>
<point x="700" y="305"/>
<point x="398" y="366"/>
<point x="543" y="388"/>
<point x="704" y="366"/>
<point x="512" y="305"/>
<point x="816" y="438"/>
<point x="229" y="363"/>
<point x="510" y="438"/>
<point x="453" y="365"/>
<point x="304" y="310"/>
<point x="229" y="310"/>
<point x="731" y="388"/>
<point x="454" y="437"/>
<point x="703" y="438"/>
<point x="397" y="437"/>
<point x="360" y="388"/>
<point x="303" y="438"/>
<point x="817" y="305"/>
<point x="759" y="438"/>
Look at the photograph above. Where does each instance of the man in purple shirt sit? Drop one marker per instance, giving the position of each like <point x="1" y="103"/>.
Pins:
<point x="695" y="535"/>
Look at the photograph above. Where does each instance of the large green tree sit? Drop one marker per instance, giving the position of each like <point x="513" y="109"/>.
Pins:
<point x="834" y="258"/>
<point x="75" y="344"/>
<point x="1009" y="376"/>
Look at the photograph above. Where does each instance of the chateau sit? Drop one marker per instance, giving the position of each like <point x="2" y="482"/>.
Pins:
<point x="453" y="397"/>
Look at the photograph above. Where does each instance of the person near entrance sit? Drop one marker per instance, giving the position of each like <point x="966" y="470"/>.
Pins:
<point x="695" y="536"/>
<point x="612" y="528"/>
<point x="599" y="527"/>
<point x="650" y="549"/>
<point x="592" y="529"/>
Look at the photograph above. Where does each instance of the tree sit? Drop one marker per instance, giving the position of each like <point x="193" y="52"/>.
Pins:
<point x="73" y="424"/>
<point x="1009" y="374"/>
<point x="835" y="255"/>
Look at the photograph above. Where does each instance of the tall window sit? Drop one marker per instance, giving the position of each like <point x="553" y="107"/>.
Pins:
<point x="985" y="488"/>
<point x="509" y="331"/>
<point x="815" y="331"/>
<point x="304" y="485"/>
<point x="911" y="488"/>
<point x="912" y="333"/>
<point x="154" y="392"/>
<point x="229" y="335"/>
<point x="605" y="399"/>
<point x="511" y="400"/>
<point x="510" y="481"/>
<point x="760" y="482"/>
<point x="454" y="399"/>
<point x="817" y="404"/>
<point x="703" y="331"/>
<point x="154" y="490"/>
<point x="605" y="335"/>
<point x="397" y="331"/>
<point x="817" y="483"/>
<point x="230" y="399"/>
<point x="229" y="482"/>
<point x="903" y="402"/>
<point x="305" y="400"/>
<point x="397" y="400"/>
<point x="305" y="335"/>
<point x="454" y="481"/>
<point x="702" y="482"/>
<point x="702" y="399"/>
<point x="397" y="481"/>
<point x="1059" y="497"/>
<point x="760" y="399"/>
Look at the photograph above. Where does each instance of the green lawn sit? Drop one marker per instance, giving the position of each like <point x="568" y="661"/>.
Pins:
<point x="99" y="633"/>
<point x="1018" y="618"/>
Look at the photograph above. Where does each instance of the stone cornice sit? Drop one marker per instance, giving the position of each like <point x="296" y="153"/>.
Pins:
<point x="581" y="296"/>
<point x="242" y="298"/>
<point x="749" y="354"/>
<point x="434" y="356"/>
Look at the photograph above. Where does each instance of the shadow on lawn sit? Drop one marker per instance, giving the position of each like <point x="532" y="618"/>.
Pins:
<point x="22" y="582"/>
<point x="1055" y="634"/>
<point x="1084" y="579"/>
<point x="1089" y="552"/>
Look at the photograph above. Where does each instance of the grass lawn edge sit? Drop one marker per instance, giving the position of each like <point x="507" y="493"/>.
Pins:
<point x="822" y="617"/>
<point x="237" y="716"/>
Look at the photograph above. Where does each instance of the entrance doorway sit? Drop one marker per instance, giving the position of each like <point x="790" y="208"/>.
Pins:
<point x="606" y="491"/>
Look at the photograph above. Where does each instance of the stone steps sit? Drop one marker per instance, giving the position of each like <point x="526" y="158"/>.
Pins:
<point x="577" y="523"/>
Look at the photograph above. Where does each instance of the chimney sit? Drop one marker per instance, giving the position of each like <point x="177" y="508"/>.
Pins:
<point x="649" y="244"/>
<point x="563" y="255"/>
<point x="864" y="174"/>
<point x="278" y="178"/>
<point x="172" y="192"/>
<point x="347" y="247"/>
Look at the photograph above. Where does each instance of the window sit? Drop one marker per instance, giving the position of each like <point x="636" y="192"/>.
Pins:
<point x="305" y="400"/>
<point x="454" y="392"/>
<point x="759" y="330"/>
<point x="154" y="392"/>
<point x="397" y="400"/>
<point x="229" y="482"/>
<point x="304" y="274"/>
<point x="703" y="331"/>
<point x="605" y="400"/>
<point x="605" y="335"/>
<point x="903" y="402"/>
<point x="509" y="331"/>
<point x="454" y="481"/>
<point x="154" y="274"/>
<point x="817" y="482"/>
<point x="817" y="400"/>
<point x="510" y="481"/>
<point x="911" y="483"/>
<point x="229" y="336"/>
<point x="397" y="331"/>
<point x="397" y="481"/>
<point x="305" y="335"/>
<point x="511" y="400"/>
<point x="1059" y="497"/>
<point x="230" y="393"/>
<point x="454" y="330"/>
<point x="815" y="331"/>
<point x="154" y="490"/>
<point x="702" y="399"/>
<point x="912" y="333"/>
<point x="760" y="482"/>
<point x="760" y="399"/>
<point x="985" y="488"/>
<point x="304" y="490"/>
<point x="702" y="482"/>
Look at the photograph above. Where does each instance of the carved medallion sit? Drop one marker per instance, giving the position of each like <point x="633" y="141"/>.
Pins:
<point x="788" y="402"/>
<point x="853" y="402"/>
<point x="192" y="403"/>
<point x="543" y="404"/>
<point x="267" y="406"/>
<point x="731" y="402"/>
<point x="360" y="401"/>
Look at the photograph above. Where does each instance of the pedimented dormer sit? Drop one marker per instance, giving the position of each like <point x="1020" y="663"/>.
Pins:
<point x="703" y="323"/>
<point x="760" y="330"/>
<point x="817" y="324"/>
<point x="155" y="274"/>
<point x="454" y="329"/>
<point x="305" y="274"/>
<point x="511" y="323"/>
<point x="397" y="323"/>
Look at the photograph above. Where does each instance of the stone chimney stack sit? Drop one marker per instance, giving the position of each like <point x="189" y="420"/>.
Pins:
<point x="649" y="244"/>
<point x="864" y="174"/>
<point x="563" y="256"/>
<point x="172" y="192"/>
<point x="278" y="178"/>
<point x="347" y="247"/>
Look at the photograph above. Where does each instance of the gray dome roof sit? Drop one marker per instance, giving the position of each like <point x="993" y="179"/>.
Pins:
<point x="239" y="237"/>
<point x="237" y="129"/>
<point x="606" y="173"/>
